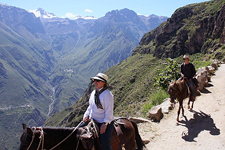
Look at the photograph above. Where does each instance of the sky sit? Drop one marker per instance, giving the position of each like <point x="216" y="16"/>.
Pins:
<point x="98" y="8"/>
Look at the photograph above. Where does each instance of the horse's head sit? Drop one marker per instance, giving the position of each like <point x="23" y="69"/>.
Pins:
<point x="172" y="90"/>
<point x="30" y="138"/>
<point x="25" y="138"/>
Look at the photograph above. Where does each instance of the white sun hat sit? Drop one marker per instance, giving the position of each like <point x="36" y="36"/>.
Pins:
<point x="100" y="76"/>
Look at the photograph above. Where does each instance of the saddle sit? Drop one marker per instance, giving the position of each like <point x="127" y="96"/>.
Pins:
<point x="195" y="81"/>
<point x="90" y="135"/>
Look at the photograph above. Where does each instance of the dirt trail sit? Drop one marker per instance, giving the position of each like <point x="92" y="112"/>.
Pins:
<point x="202" y="129"/>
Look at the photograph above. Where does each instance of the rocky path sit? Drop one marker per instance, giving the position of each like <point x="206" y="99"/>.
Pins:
<point x="202" y="129"/>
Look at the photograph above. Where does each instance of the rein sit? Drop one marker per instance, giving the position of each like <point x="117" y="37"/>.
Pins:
<point x="42" y="137"/>
<point x="67" y="136"/>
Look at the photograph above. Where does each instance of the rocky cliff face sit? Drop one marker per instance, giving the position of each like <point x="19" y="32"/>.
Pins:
<point x="191" y="29"/>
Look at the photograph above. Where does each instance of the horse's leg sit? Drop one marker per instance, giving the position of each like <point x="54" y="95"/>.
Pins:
<point x="178" y="112"/>
<point x="189" y="102"/>
<point x="180" y="107"/>
<point x="193" y="97"/>
<point x="192" y="105"/>
<point x="193" y="100"/>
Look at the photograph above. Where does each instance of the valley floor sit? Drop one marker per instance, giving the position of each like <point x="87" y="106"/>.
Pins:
<point x="202" y="129"/>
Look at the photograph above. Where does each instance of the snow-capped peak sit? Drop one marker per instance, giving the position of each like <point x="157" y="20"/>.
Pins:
<point x="75" y="17"/>
<point x="42" y="13"/>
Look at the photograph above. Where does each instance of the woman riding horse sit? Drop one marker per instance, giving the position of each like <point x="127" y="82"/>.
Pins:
<point x="101" y="109"/>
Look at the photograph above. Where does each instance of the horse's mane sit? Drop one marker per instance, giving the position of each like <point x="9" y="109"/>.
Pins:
<point x="182" y="87"/>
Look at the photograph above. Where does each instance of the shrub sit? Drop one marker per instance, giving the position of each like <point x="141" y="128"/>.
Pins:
<point x="171" y="72"/>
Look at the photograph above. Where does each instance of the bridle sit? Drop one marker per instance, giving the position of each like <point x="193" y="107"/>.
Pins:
<point x="39" y="129"/>
<point x="172" y="91"/>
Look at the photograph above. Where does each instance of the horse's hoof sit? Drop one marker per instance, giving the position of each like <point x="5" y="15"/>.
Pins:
<point x="188" y="106"/>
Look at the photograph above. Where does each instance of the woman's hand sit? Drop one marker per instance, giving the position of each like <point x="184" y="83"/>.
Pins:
<point x="103" y="128"/>
<point x="85" y="119"/>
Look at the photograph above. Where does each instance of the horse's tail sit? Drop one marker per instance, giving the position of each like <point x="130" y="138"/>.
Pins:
<point x="139" y="142"/>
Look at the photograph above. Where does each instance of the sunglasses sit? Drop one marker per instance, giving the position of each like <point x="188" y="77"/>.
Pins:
<point x="97" y="80"/>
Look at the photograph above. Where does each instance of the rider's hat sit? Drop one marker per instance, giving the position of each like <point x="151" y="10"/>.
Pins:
<point x="186" y="57"/>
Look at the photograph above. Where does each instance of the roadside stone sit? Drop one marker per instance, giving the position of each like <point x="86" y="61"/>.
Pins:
<point x="211" y="69"/>
<point x="138" y="119"/>
<point x="166" y="106"/>
<point x="214" y="65"/>
<point x="155" y="113"/>
<point x="203" y="77"/>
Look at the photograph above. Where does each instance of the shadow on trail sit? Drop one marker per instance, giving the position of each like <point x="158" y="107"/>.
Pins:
<point x="197" y="124"/>
<point x="205" y="91"/>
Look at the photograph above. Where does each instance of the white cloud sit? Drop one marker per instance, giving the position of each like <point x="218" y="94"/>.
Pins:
<point x="88" y="10"/>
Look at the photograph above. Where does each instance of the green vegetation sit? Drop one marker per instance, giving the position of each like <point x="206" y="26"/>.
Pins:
<point x="155" y="99"/>
<point x="166" y="75"/>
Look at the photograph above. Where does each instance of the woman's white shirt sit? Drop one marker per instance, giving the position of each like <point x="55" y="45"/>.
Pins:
<point x="101" y="115"/>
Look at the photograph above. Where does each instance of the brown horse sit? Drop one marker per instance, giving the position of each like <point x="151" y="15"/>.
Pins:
<point x="179" y="89"/>
<point x="76" y="138"/>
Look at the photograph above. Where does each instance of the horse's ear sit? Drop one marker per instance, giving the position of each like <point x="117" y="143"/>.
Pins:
<point x="175" y="83"/>
<point x="29" y="131"/>
<point x="24" y="126"/>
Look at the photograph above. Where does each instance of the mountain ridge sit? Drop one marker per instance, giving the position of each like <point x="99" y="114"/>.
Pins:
<point x="45" y="63"/>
